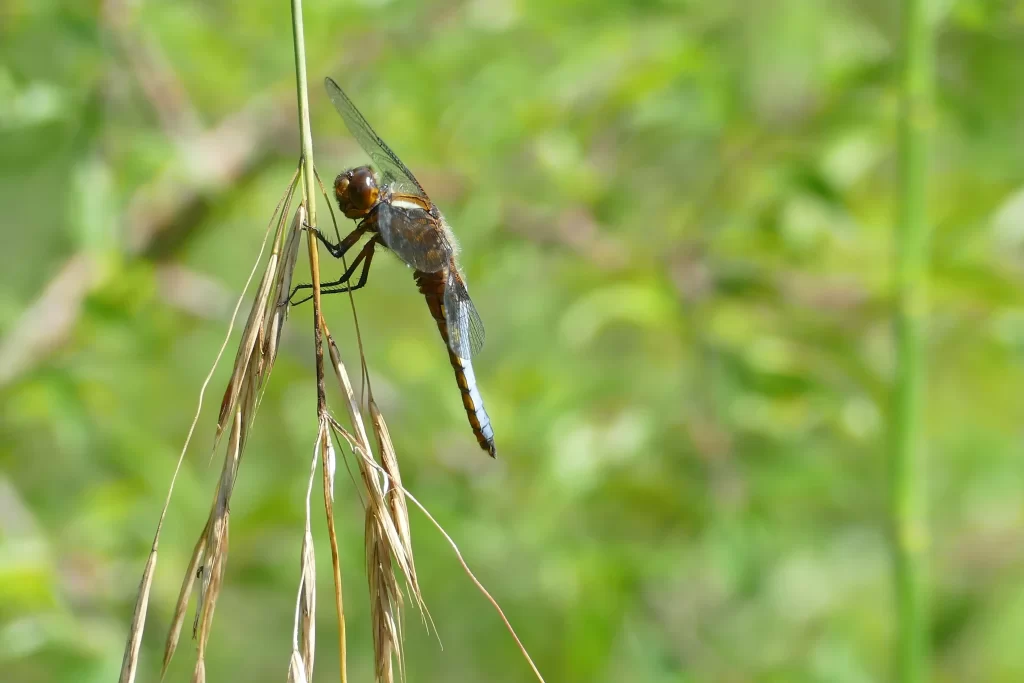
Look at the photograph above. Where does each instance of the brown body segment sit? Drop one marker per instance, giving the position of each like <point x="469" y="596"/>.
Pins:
<point x="432" y="286"/>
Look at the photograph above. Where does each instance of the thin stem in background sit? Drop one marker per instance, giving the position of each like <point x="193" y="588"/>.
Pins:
<point x="908" y="457"/>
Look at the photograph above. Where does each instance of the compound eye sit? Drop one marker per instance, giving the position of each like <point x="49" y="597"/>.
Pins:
<point x="341" y="184"/>
<point x="356" y="191"/>
<point x="363" y="188"/>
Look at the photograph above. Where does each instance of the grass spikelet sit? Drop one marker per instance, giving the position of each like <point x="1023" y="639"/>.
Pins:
<point x="249" y="350"/>
<point x="384" y="546"/>
<point x="393" y="493"/>
<point x="277" y="312"/>
<point x="394" y="497"/>
<point x="296" y="672"/>
<point x="304" y="632"/>
<point x="307" y="602"/>
<point x="182" y="605"/>
<point x="458" y="554"/>
<point x="381" y="539"/>
<point x="199" y="675"/>
<point x="215" y="557"/>
<point x="130" y="661"/>
<point x="385" y="600"/>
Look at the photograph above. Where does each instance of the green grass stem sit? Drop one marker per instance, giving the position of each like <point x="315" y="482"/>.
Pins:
<point x="909" y="452"/>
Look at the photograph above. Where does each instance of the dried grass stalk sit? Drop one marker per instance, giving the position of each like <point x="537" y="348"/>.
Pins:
<point x="329" y="461"/>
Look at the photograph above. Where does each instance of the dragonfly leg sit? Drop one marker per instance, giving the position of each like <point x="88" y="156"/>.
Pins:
<point x="338" y="250"/>
<point x="319" y="235"/>
<point x="364" y="257"/>
<point x="368" y="252"/>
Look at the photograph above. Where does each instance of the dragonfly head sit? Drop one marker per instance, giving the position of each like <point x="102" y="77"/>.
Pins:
<point x="357" y="191"/>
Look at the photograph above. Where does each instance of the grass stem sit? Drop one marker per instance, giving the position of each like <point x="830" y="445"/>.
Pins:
<point x="309" y="197"/>
<point x="908" y="457"/>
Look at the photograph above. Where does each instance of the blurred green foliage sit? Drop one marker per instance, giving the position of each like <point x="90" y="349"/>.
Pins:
<point x="676" y="219"/>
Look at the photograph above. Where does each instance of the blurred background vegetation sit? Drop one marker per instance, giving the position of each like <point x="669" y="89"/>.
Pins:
<point x="677" y="222"/>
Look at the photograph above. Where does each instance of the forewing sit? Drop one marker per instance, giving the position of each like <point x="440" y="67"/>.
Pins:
<point x="414" y="235"/>
<point x="395" y="173"/>
<point x="465" y="329"/>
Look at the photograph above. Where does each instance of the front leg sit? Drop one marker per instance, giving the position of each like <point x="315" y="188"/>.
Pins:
<point x="338" y="250"/>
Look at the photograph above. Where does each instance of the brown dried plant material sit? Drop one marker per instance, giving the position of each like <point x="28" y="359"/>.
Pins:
<point x="210" y="550"/>
<point x="248" y="376"/>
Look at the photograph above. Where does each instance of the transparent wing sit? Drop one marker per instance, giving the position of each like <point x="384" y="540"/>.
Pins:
<point x="414" y="235"/>
<point x="395" y="173"/>
<point x="465" y="329"/>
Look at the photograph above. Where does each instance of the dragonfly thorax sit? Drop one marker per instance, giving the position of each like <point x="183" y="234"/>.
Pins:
<point x="357" y="191"/>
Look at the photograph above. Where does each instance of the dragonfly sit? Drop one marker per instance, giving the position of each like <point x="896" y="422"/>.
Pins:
<point x="393" y="210"/>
